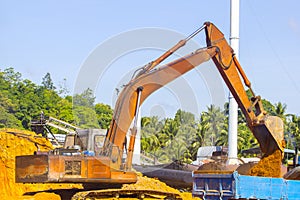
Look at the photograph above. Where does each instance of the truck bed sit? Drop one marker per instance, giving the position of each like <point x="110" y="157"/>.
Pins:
<point x="209" y="185"/>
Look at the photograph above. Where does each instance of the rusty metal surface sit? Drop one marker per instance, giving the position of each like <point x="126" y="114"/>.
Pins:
<point x="31" y="168"/>
<point x="69" y="169"/>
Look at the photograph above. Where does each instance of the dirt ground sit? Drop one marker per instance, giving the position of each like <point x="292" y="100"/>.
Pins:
<point x="15" y="142"/>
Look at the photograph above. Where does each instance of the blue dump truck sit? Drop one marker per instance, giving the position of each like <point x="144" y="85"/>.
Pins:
<point x="231" y="185"/>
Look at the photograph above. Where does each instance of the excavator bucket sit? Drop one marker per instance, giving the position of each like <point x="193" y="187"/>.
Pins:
<point x="269" y="134"/>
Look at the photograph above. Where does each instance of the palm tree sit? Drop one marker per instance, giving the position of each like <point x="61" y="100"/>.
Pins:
<point x="169" y="132"/>
<point x="201" y="128"/>
<point x="293" y="131"/>
<point x="216" y="120"/>
<point x="222" y="139"/>
<point x="183" y="117"/>
<point x="280" y="111"/>
<point x="246" y="139"/>
<point x="150" y="129"/>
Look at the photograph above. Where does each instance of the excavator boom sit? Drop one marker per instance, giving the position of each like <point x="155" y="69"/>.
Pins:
<point x="126" y="109"/>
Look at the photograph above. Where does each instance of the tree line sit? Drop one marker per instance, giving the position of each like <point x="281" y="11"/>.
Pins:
<point x="168" y="139"/>
<point x="21" y="101"/>
<point x="180" y="137"/>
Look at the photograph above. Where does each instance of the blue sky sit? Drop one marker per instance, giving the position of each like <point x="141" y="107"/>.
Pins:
<point x="59" y="36"/>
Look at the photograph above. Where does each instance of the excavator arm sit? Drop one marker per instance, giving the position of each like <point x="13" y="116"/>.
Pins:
<point x="267" y="129"/>
<point x="136" y="92"/>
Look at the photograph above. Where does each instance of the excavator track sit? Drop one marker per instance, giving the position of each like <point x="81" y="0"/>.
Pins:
<point x="126" y="193"/>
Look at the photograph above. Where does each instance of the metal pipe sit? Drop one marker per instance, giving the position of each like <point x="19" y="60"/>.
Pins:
<point x="139" y="92"/>
<point x="168" y="53"/>
<point x="195" y="33"/>
<point x="133" y="130"/>
<point x="233" y="106"/>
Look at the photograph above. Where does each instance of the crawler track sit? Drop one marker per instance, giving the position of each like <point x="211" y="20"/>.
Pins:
<point x="120" y="193"/>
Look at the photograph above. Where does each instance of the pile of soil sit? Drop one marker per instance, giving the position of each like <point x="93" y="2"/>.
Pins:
<point x="244" y="169"/>
<point x="213" y="166"/>
<point x="13" y="143"/>
<point x="268" y="166"/>
<point x="145" y="183"/>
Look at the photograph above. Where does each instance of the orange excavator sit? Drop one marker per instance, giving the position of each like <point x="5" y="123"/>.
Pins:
<point x="112" y="163"/>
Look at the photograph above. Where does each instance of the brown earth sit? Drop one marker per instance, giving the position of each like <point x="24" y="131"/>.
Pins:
<point x="145" y="183"/>
<point x="268" y="166"/>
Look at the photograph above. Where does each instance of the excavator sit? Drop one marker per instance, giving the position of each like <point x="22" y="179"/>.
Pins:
<point x="112" y="164"/>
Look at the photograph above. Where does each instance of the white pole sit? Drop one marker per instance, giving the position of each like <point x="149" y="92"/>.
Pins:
<point x="233" y="107"/>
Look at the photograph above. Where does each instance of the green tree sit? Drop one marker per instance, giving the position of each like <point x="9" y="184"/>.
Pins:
<point x="104" y="115"/>
<point x="48" y="101"/>
<point x="268" y="106"/>
<point x="169" y="132"/>
<point x="246" y="139"/>
<point x="47" y="82"/>
<point x="84" y="110"/>
<point x="63" y="89"/>
<point x="86" y="99"/>
<point x="183" y="117"/>
<point x="293" y="131"/>
<point x="26" y="98"/>
<point x="202" y="127"/>
<point x="85" y="117"/>
<point x="8" y="120"/>
<point x="150" y="131"/>
<point x="186" y="135"/>
<point x="11" y="76"/>
<point x="65" y="110"/>
<point x="280" y="110"/>
<point x="217" y="124"/>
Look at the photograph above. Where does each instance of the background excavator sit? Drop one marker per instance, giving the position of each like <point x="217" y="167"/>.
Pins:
<point x="112" y="162"/>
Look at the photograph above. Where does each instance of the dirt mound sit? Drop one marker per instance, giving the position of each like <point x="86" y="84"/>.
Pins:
<point x="244" y="169"/>
<point x="268" y="166"/>
<point x="215" y="166"/>
<point x="145" y="183"/>
<point x="15" y="142"/>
